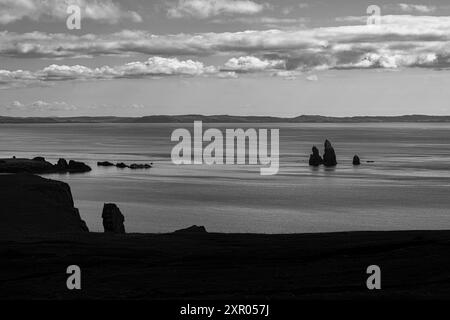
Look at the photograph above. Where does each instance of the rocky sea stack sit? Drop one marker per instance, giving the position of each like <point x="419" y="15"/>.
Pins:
<point x="315" y="159"/>
<point x="113" y="219"/>
<point x="329" y="156"/>
<point x="356" y="160"/>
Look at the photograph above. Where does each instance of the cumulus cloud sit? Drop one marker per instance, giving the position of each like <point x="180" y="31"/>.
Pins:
<point x="288" y="9"/>
<point x="406" y="7"/>
<point x="252" y="64"/>
<point x="208" y="8"/>
<point x="99" y="10"/>
<point x="287" y="75"/>
<point x="227" y="75"/>
<point x="154" y="66"/>
<point x="268" y="22"/>
<point x="400" y="41"/>
<point x="39" y="106"/>
<point x="312" y="77"/>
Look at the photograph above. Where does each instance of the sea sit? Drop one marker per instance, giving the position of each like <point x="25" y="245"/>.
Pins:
<point x="403" y="182"/>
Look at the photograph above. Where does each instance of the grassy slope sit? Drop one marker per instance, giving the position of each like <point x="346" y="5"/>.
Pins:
<point x="168" y="266"/>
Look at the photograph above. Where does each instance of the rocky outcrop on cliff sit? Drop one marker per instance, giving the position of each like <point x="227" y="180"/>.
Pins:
<point x="30" y="205"/>
<point x="329" y="156"/>
<point x="192" y="229"/>
<point x="112" y="219"/>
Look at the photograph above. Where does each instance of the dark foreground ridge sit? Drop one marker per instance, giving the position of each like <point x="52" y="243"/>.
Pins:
<point x="189" y="118"/>
<point x="41" y="234"/>
<point x="414" y="264"/>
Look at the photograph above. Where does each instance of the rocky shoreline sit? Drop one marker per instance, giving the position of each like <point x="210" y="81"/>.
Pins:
<point x="122" y="165"/>
<point x="39" y="165"/>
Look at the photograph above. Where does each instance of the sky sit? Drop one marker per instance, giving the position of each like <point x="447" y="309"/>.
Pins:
<point x="239" y="57"/>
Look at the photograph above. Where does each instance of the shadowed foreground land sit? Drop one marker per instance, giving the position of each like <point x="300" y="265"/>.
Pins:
<point x="414" y="264"/>
<point x="41" y="234"/>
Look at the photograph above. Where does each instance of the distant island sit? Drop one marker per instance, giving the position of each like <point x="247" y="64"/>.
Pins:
<point x="228" y="119"/>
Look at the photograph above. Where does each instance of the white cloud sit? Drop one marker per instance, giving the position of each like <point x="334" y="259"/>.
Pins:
<point x="399" y="42"/>
<point x="289" y="9"/>
<point x="227" y="75"/>
<point x="99" y="10"/>
<point x="209" y="8"/>
<point x="405" y="7"/>
<point x="312" y="77"/>
<point x="288" y="75"/>
<point x="153" y="67"/>
<point x="269" y="22"/>
<point x="302" y="48"/>
<point x="252" y="64"/>
<point x="39" y="106"/>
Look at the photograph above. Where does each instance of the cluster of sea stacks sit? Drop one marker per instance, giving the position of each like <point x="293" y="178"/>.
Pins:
<point x="329" y="157"/>
<point x="40" y="165"/>
<point x="122" y="165"/>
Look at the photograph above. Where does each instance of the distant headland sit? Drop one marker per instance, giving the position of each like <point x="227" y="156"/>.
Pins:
<point x="189" y="118"/>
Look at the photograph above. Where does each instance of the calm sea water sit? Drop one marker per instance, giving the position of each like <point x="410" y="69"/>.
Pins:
<point x="406" y="187"/>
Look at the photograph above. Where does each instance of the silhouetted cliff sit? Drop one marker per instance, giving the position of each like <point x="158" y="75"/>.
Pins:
<point x="30" y="204"/>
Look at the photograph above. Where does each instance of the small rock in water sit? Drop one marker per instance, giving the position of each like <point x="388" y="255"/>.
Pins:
<point x="356" y="160"/>
<point x="121" y="165"/>
<point x="140" y="166"/>
<point x="77" y="166"/>
<point x="105" y="164"/>
<point x="112" y="219"/>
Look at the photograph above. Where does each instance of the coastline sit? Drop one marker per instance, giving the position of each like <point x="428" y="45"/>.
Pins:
<point x="190" y="118"/>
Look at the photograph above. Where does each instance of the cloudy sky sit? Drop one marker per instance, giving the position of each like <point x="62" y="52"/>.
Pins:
<point x="242" y="57"/>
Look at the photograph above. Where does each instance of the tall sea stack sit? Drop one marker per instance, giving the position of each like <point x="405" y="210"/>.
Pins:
<point x="329" y="156"/>
<point x="112" y="219"/>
